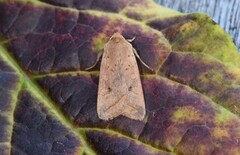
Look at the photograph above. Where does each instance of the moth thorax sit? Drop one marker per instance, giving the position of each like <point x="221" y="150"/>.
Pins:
<point x="117" y="37"/>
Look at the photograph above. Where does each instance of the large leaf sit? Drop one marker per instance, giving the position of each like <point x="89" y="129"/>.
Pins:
<point x="48" y="100"/>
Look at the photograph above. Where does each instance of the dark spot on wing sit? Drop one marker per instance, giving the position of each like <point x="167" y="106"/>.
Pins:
<point x="130" y="88"/>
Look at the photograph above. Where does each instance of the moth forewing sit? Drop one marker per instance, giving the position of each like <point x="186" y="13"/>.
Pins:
<point x="120" y="89"/>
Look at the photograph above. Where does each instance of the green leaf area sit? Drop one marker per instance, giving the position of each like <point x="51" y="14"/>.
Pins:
<point x="48" y="100"/>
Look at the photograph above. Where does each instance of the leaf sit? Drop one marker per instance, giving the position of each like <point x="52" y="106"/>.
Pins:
<point x="198" y="33"/>
<point x="48" y="100"/>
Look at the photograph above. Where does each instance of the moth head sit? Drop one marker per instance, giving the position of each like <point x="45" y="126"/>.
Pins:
<point x="117" y="37"/>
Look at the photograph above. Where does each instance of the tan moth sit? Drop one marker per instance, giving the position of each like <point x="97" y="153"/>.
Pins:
<point x="120" y="90"/>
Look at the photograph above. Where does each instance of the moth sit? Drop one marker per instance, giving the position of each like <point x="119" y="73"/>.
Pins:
<point x="120" y="89"/>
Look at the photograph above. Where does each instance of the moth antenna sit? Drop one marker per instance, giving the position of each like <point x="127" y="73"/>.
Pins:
<point x="99" y="56"/>
<point x="135" y="52"/>
<point x="131" y="40"/>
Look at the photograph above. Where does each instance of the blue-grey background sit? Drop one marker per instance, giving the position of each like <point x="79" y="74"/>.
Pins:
<point x="225" y="12"/>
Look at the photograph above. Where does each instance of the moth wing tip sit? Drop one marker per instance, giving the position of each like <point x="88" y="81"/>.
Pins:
<point x="138" y="115"/>
<point x="104" y="117"/>
<point x="141" y="118"/>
